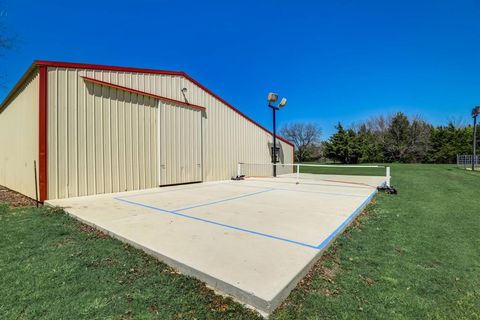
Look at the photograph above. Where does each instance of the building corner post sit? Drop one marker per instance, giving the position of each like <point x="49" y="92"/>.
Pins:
<point x="42" y="134"/>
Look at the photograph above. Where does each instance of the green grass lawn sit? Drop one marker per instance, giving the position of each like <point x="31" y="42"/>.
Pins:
<point x="413" y="255"/>
<point x="359" y="170"/>
<point x="416" y="256"/>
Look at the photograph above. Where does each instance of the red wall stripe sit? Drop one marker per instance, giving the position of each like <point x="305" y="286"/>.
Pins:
<point x="42" y="134"/>
<point x="108" y="84"/>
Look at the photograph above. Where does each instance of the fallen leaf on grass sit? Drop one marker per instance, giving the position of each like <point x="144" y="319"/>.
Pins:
<point x="171" y="271"/>
<point x="327" y="274"/>
<point x="153" y="309"/>
<point x="368" y="280"/>
<point x="134" y="270"/>
<point x="330" y="292"/>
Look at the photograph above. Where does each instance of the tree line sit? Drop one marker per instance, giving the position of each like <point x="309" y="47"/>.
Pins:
<point x="395" y="138"/>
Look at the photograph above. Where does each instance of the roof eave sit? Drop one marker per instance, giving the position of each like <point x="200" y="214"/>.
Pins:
<point x="17" y="86"/>
<point x="60" y="64"/>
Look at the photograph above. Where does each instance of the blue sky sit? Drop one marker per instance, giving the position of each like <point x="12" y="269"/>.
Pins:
<point x="333" y="60"/>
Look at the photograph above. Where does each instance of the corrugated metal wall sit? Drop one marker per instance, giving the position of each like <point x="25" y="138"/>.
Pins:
<point x="85" y="125"/>
<point x="100" y="139"/>
<point x="180" y="144"/>
<point x="19" y="139"/>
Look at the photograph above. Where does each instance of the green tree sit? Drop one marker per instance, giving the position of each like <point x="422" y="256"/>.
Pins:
<point x="368" y="143"/>
<point x="343" y="146"/>
<point x="397" y="138"/>
<point x="448" y="141"/>
<point x="418" y="140"/>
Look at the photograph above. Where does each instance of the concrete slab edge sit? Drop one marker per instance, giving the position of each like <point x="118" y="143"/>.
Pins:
<point x="283" y="294"/>
<point x="263" y="307"/>
<point x="220" y="287"/>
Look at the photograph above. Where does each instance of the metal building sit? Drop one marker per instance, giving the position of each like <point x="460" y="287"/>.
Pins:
<point x="95" y="129"/>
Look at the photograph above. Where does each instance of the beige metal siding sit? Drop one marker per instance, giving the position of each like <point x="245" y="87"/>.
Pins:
<point x="100" y="139"/>
<point x="19" y="138"/>
<point x="180" y="144"/>
<point x="110" y="135"/>
<point x="228" y="138"/>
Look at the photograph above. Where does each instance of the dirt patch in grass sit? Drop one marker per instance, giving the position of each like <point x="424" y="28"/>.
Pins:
<point x="218" y="303"/>
<point x="358" y="222"/>
<point x="92" y="231"/>
<point x="320" y="269"/>
<point x="14" y="199"/>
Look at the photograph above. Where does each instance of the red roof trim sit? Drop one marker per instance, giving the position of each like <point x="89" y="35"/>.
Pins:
<point x="236" y="110"/>
<point x="152" y="71"/>
<point x="58" y="64"/>
<point x="112" y="85"/>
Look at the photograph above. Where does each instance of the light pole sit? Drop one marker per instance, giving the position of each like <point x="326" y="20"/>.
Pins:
<point x="475" y="113"/>
<point x="272" y="98"/>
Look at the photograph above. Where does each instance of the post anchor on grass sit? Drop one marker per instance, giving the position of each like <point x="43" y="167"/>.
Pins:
<point x="387" y="187"/>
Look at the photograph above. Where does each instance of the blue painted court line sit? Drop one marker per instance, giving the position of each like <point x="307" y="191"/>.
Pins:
<point x="321" y="246"/>
<point x="223" y="200"/>
<point x="218" y="223"/>
<point x="325" y="242"/>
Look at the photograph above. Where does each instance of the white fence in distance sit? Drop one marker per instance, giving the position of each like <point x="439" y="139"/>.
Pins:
<point x="466" y="161"/>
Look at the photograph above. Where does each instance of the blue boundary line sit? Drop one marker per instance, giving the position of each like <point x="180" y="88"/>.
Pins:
<point x="321" y="246"/>
<point x="218" y="223"/>
<point x="325" y="242"/>
<point x="223" y="200"/>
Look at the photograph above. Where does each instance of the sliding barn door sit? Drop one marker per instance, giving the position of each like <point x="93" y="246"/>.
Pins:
<point x="180" y="149"/>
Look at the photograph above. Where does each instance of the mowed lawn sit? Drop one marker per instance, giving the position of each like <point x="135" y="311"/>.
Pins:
<point x="411" y="255"/>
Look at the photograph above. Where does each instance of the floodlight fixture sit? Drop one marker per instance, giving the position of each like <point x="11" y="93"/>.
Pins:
<point x="272" y="97"/>
<point x="475" y="111"/>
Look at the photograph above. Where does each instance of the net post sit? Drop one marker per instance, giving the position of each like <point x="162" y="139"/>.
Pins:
<point x="388" y="176"/>
<point x="298" y="172"/>
<point x="239" y="169"/>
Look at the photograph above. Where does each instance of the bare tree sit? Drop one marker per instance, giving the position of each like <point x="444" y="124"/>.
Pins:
<point x="419" y="137"/>
<point x="6" y="40"/>
<point x="379" y="123"/>
<point x="305" y="136"/>
<point x="458" y="122"/>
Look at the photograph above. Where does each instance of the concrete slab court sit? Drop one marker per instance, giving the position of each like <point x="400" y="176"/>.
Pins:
<point x="252" y="239"/>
